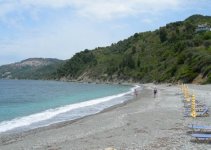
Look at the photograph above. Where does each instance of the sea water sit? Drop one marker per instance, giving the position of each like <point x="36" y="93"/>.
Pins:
<point x="28" y="104"/>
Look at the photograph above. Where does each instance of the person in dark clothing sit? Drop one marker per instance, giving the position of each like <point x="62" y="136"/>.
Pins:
<point x="155" y="92"/>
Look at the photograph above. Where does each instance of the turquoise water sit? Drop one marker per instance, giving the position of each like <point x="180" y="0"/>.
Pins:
<point x="22" y="98"/>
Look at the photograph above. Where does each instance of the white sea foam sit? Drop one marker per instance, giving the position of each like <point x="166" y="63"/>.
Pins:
<point x="48" y="114"/>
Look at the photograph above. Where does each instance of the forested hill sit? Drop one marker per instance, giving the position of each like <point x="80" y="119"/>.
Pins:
<point x="32" y="68"/>
<point x="176" y="52"/>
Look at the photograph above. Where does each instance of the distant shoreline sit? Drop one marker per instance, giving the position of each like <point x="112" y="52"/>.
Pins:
<point x="75" y="81"/>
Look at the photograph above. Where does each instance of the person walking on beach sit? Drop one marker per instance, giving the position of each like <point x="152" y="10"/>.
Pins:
<point x="135" y="93"/>
<point x="155" y="92"/>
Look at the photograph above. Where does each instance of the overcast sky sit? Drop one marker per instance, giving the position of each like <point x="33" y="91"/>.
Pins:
<point x="60" y="28"/>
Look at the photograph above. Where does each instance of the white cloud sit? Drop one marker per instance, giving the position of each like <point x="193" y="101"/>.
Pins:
<point x="108" y="9"/>
<point x="62" y="43"/>
<point x="97" y="9"/>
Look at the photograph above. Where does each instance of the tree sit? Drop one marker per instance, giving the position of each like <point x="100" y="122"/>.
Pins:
<point x="163" y="35"/>
<point x="138" y="62"/>
<point x="135" y="35"/>
<point x="189" y="27"/>
<point x="207" y="44"/>
<point x="128" y="62"/>
<point x="133" y="50"/>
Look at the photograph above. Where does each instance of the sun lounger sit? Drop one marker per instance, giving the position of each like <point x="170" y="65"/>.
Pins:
<point x="197" y="105"/>
<point x="204" y="113"/>
<point x="201" y="138"/>
<point x="188" y="102"/>
<point x="198" y="109"/>
<point x="199" y="129"/>
<point x="198" y="114"/>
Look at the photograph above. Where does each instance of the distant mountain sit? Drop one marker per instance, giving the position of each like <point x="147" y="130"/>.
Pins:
<point x="32" y="68"/>
<point x="179" y="51"/>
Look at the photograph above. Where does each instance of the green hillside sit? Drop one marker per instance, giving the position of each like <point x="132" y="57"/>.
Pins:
<point x="172" y="53"/>
<point x="33" y="68"/>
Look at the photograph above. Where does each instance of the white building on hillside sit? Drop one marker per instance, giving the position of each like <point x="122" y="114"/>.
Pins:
<point x="203" y="27"/>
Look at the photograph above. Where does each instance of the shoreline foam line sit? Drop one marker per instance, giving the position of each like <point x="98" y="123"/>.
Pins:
<point x="50" y="113"/>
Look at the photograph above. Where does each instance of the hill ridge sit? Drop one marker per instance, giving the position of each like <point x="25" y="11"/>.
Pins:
<point x="31" y="68"/>
<point x="175" y="52"/>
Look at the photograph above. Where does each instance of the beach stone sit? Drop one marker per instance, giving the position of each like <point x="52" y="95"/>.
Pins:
<point x="110" y="148"/>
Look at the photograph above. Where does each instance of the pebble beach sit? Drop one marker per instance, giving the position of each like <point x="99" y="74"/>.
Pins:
<point x="144" y="122"/>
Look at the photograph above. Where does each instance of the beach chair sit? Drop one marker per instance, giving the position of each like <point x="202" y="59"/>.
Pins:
<point x="197" y="105"/>
<point x="198" y="114"/>
<point x="199" y="129"/>
<point x="198" y="109"/>
<point x="204" y="113"/>
<point x="188" y="102"/>
<point x="201" y="138"/>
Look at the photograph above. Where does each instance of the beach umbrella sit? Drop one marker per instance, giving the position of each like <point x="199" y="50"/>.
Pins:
<point x="193" y="106"/>
<point x="186" y="94"/>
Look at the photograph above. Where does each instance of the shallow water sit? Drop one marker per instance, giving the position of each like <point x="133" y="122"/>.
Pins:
<point x="26" y="104"/>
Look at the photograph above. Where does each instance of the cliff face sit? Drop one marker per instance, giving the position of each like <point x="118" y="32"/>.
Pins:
<point x="36" y="62"/>
<point x="32" y="68"/>
<point x="175" y="52"/>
